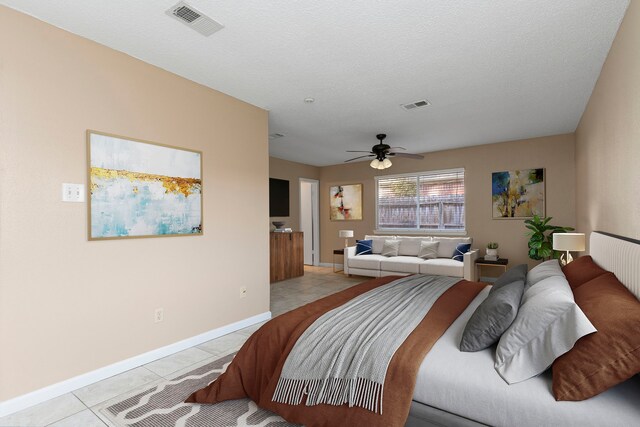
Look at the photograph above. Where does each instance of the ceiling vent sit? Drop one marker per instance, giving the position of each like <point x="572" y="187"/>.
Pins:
<point x="276" y="135"/>
<point x="416" y="104"/>
<point x="195" y="19"/>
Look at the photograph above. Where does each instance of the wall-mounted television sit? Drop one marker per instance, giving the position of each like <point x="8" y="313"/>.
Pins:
<point x="278" y="197"/>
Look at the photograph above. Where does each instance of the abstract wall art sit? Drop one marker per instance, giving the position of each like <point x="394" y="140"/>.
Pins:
<point x="518" y="193"/>
<point x="346" y="202"/>
<point x="142" y="189"/>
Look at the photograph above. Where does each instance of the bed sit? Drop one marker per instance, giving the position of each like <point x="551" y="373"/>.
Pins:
<point x="454" y="388"/>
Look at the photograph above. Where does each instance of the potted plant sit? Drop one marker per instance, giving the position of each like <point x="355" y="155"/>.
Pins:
<point x="492" y="251"/>
<point x="541" y="237"/>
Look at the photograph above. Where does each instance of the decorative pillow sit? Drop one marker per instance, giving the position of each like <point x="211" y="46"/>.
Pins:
<point x="364" y="247"/>
<point x="461" y="249"/>
<point x="519" y="272"/>
<point x="581" y="271"/>
<point x="496" y="313"/>
<point x="547" y="325"/>
<point x="600" y="361"/>
<point x="428" y="250"/>
<point x="390" y="248"/>
<point x="542" y="271"/>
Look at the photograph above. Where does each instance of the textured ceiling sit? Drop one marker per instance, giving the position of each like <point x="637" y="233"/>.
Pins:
<point x="493" y="70"/>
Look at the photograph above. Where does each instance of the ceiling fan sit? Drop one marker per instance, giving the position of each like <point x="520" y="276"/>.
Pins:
<point x="381" y="151"/>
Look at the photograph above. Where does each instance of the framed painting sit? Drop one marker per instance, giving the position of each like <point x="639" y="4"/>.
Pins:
<point x="518" y="194"/>
<point x="142" y="189"/>
<point x="346" y="202"/>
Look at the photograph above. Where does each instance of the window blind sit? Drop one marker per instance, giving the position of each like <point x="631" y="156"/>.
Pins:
<point x="431" y="201"/>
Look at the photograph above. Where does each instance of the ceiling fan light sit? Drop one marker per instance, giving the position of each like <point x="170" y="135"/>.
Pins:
<point x="381" y="166"/>
<point x="374" y="163"/>
<point x="386" y="163"/>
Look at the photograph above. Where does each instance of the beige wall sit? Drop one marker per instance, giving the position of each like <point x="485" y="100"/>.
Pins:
<point x="555" y="154"/>
<point x="67" y="305"/>
<point x="291" y="171"/>
<point x="608" y="140"/>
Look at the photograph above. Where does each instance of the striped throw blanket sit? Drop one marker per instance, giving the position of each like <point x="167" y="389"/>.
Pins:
<point x="342" y="358"/>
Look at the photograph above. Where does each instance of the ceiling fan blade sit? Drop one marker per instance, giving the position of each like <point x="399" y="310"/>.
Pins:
<point x="408" y="155"/>
<point x="397" y="148"/>
<point x="356" y="158"/>
<point x="354" y="151"/>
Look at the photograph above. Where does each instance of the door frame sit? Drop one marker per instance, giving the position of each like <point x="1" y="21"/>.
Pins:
<point x="315" y="215"/>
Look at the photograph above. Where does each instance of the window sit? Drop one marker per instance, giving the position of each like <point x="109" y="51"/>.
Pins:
<point x="427" y="201"/>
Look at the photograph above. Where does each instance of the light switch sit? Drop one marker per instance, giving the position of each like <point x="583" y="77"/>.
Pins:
<point x="72" y="192"/>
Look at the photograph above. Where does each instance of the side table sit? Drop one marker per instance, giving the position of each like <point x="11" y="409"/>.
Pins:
<point x="481" y="262"/>
<point x="337" y="252"/>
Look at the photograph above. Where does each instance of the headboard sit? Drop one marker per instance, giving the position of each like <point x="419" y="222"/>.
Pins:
<point x="620" y="255"/>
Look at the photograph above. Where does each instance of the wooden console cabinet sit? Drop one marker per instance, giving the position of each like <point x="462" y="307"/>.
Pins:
<point x="286" y="251"/>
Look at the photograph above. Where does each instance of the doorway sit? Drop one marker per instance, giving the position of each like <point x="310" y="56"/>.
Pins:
<point x="310" y="220"/>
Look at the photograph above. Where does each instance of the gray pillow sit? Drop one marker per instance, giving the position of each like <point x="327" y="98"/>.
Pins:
<point x="548" y="324"/>
<point x="542" y="271"/>
<point x="519" y="272"/>
<point x="428" y="250"/>
<point x="494" y="315"/>
<point x="390" y="248"/>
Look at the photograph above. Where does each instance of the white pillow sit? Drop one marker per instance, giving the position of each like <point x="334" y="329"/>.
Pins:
<point x="547" y="325"/>
<point x="428" y="250"/>
<point x="410" y="246"/>
<point x="390" y="248"/>
<point x="542" y="271"/>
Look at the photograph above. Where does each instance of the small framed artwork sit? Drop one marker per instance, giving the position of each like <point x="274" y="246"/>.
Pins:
<point x="142" y="189"/>
<point x="346" y="202"/>
<point x="518" y="194"/>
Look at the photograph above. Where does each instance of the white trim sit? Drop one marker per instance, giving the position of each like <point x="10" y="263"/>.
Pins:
<point x="422" y="232"/>
<point x="19" y="403"/>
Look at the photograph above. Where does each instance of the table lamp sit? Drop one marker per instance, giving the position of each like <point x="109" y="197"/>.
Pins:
<point x="568" y="242"/>
<point x="346" y="234"/>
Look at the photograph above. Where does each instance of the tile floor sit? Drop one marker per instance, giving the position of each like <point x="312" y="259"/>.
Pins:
<point x="80" y="408"/>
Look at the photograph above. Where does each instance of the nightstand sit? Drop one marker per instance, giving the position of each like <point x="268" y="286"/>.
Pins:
<point x="481" y="262"/>
<point x="337" y="252"/>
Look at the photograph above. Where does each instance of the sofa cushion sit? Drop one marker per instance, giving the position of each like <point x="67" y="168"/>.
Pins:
<point x="363" y="247"/>
<point x="443" y="267"/>
<point x="410" y="246"/>
<point x="369" y="262"/>
<point x="401" y="264"/>
<point x="428" y="250"/>
<point x="390" y="247"/>
<point x="378" y="242"/>
<point x="448" y="245"/>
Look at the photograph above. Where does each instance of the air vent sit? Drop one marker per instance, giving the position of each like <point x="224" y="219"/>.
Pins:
<point x="195" y="19"/>
<point x="273" y="136"/>
<point x="416" y="104"/>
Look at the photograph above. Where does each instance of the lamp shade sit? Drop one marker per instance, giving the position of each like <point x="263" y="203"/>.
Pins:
<point x="568" y="241"/>
<point x="345" y="233"/>
<point x="374" y="163"/>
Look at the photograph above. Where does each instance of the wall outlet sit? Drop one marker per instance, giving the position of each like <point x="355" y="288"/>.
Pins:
<point x="243" y="292"/>
<point x="158" y="315"/>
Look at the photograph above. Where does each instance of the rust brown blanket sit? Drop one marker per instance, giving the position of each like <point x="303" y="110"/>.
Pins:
<point x="255" y="370"/>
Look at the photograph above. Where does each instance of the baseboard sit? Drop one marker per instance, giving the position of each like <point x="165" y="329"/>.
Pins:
<point x="38" y="396"/>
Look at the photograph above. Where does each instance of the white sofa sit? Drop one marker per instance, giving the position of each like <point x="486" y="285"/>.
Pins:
<point x="408" y="262"/>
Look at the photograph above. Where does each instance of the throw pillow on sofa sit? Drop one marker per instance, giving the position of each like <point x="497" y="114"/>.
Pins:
<point x="390" y="248"/>
<point x="364" y="247"/>
<point x="428" y="250"/>
<point x="461" y="249"/>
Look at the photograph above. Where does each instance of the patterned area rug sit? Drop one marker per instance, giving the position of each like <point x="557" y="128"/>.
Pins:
<point x="162" y="405"/>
